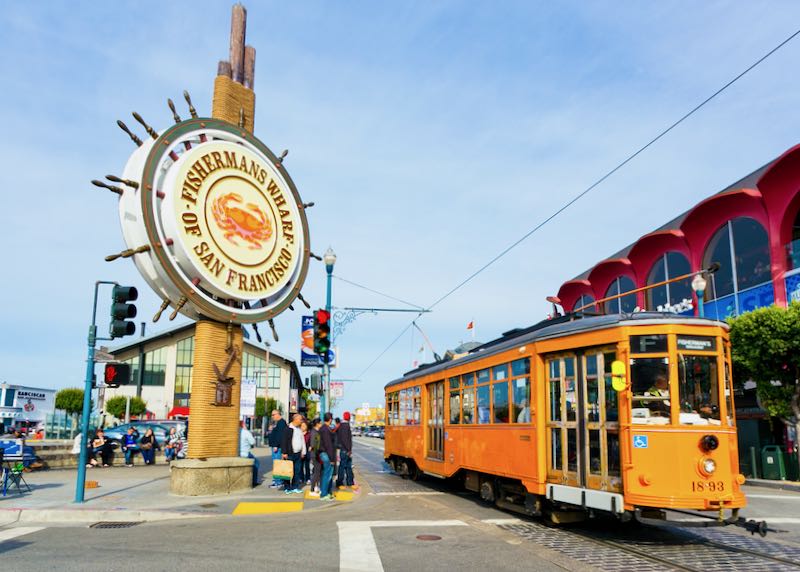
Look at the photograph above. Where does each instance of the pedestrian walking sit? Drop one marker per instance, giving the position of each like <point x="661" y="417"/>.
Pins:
<point x="130" y="446"/>
<point x="313" y="453"/>
<point x="246" y="444"/>
<point x="294" y="449"/>
<point x="149" y="445"/>
<point x="305" y="465"/>
<point x="326" y="456"/>
<point x="344" y="437"/>
<point x="275" y="440"/>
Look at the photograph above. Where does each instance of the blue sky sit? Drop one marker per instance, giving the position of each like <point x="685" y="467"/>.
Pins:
<point x="430" y="136"/>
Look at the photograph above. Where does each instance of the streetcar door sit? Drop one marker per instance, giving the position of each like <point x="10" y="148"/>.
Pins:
<point x="562" y="421"/>
<point x="435" y="437"/>
<point x="598" y="422"/>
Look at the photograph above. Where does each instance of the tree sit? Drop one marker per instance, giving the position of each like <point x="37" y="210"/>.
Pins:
<point x="765" y="346"/>
<point x="70" y="400"/>
<point x="116" y="406"/>
<point x="261" y="407"/>
<point x="311" y="406"/>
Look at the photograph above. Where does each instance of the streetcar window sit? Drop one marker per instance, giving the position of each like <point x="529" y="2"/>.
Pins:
<point x="570" y="389"/>
<point x="468" y="378"/>
<point x="612" y="406"/>
<point x="650" y="383"/>
<point x="555" y="399"/>
<point x="500" y="402"/>
<point x="592" y="390"/>
<point x="555" y="448"/>
<point x="417" y="406"/>
<point x="522" y="400"/>
<point x="572" y="450"/>
<point x="468" y="410"/>
<point x="595" y="464"/>
<point x="483" y="376"/>
<point x="403" y="406"/>
<point x="454" y="382"/>
<point x="520" y="367"/>
<point x="729" y="392"/>
<point x="612" y="442"/>
<point x="500" y="372"/>
<point x="648" y="344"/>
<point x="483" y="404"/>
<point x="699" y="390"/>
<point x="455" y="407"/>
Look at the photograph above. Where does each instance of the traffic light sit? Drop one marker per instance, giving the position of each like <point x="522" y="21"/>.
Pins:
<point x="117" y="374"/>
<point x="322" y="332"/>
<point x="316" y="381"/>
<point x="121" y="311"/>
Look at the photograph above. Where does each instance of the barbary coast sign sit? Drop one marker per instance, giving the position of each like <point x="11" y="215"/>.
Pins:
<point x="227" y="228"/>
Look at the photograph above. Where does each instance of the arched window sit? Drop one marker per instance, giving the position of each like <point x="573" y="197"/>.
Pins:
<point x="744" y="241"/>
<point x="793" y="248"/>
<point x="620" y="285"/>
<point x="583" y="301"/>
<point x="669" y="265"/>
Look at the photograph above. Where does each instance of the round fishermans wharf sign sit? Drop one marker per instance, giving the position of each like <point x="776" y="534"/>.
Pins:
<point x="226" y="227"/>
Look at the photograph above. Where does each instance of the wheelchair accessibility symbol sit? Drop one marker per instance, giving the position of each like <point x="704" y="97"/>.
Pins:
<point x="640" y="442"/>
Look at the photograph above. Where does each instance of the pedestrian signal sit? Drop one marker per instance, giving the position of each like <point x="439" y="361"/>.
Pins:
<point x="322" y="333"/>
<point x="121" y="311"/>
<point x="117" y="374"/>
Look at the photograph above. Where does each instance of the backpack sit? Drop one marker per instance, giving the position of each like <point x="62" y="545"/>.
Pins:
<point x="316" y="442"/>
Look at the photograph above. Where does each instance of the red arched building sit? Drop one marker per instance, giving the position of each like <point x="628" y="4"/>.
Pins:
<point x="752" y="228"/>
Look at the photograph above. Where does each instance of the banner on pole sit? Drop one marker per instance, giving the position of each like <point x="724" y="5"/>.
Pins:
<point x="247" y="405"/>
<point x="337" y="389"/>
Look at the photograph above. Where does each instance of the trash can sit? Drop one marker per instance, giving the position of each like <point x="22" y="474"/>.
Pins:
<point x="772" y="465"/>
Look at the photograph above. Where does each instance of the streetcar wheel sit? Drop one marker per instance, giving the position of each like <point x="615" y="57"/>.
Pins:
<point x="487" y="492"/>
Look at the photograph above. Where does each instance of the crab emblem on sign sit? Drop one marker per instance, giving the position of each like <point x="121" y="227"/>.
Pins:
<point x="249" y="223"/>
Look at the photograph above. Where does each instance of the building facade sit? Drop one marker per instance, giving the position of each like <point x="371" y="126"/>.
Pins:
<point x="161" y="372"/>
<point x="752" y="229"/>
<point x="23" y="406"/>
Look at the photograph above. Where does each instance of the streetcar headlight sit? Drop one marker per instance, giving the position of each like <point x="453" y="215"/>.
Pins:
<point x="709" y="466"/>
<point x="709" y="443"/>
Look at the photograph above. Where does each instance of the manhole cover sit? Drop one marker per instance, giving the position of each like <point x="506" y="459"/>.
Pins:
<point x="113" y="524"/>
<point x="428" y="537"/>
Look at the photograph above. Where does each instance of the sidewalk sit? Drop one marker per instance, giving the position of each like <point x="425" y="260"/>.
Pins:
<point x="140" y="493"/>
<point x="780" y="485"/>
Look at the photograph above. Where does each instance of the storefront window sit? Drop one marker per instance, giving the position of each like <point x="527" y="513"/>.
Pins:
<point x="626" y="303"/>
<point x="699" y="390"/>
<point x="183" y="371"/>
<point x="155" y="367"/>
<point x="668" y="266"/>
<point x="793" y="248"/>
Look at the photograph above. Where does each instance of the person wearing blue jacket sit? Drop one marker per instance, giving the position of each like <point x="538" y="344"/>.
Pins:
<point x="130" y="446"/>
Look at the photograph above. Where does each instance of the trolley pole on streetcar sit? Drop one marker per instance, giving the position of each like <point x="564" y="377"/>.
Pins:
<point x="329" y="258"/>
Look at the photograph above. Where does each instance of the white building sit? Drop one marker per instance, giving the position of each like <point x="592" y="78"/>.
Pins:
<point x="165" y="380"/>
<point x="21" y="405"/>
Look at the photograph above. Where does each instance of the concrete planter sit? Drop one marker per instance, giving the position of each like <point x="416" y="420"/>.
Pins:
<point x="214" y="476"/>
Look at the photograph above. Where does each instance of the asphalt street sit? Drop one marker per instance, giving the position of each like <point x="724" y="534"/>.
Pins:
<point x="397" y="524"/>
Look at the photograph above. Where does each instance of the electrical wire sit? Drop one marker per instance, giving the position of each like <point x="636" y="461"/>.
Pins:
<point x="418" y="307"/>
<point x="586" y="191"/>
<point x="630" y="158"/>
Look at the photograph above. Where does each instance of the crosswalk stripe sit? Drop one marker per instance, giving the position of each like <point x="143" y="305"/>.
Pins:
<point x="406" y="493"/>
<point x="10" y="533"/>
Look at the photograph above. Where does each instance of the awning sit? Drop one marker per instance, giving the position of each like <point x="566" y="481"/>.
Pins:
<point x="178" y="412"/>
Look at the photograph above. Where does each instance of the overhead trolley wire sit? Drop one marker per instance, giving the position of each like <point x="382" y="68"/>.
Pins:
<point x="377" y="292"/>
<point x="591" y="187"/>
<point x="630" y="158"/>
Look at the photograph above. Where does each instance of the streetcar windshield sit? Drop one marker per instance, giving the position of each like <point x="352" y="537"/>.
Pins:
<point x="698" y="385"/>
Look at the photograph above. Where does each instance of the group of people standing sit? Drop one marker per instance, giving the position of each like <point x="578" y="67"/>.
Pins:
<point x="312" y="447"/>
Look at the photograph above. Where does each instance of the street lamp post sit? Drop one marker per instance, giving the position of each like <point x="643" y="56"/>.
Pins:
<point x="329" y="258"/>
<point x="699" y="286"/>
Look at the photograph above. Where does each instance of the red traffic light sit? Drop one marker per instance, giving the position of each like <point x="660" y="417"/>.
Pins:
<point x="322" y="316"/>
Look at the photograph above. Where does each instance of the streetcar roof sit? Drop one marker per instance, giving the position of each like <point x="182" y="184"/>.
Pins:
<point x="554" y="328"/>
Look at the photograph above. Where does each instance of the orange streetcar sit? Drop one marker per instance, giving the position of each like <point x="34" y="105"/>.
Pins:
<point x="626" y="414"/>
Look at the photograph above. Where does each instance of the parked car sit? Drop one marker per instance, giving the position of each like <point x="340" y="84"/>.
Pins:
<point x="382" y="433"/>
<point x="115" y="434"/>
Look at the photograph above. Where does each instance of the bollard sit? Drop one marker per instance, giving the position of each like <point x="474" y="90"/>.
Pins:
<point x="754" y="462"/>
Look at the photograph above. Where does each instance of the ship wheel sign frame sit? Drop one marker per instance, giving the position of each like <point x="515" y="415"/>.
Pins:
<point x="213" y="221"/>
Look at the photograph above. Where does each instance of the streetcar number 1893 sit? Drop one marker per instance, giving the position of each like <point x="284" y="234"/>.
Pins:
<point x="707" y="486"/>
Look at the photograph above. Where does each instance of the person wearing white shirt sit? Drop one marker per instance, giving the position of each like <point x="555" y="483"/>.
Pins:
<point x="246" y="444"/>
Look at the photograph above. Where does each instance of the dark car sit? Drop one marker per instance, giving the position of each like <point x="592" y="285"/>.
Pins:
<point x="159" y="430"/>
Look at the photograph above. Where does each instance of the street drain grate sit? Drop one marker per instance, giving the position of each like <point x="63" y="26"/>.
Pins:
<point x="428" y="537"/>
<point x="209" y="505"/>
<point x="113" y="524"/>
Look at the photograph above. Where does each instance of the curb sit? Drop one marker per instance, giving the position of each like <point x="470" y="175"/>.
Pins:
<point x="779" y="485"/>
<point x="17" y="515"/>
